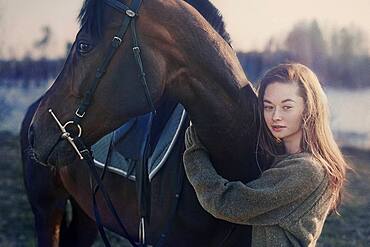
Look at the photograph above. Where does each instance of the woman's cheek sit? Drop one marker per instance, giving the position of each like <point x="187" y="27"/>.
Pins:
<point x="266" y="115"/>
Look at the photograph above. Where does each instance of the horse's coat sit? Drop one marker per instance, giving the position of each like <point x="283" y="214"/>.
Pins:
<point x="186" y="61"/>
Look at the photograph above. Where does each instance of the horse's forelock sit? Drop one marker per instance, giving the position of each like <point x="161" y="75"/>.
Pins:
<point x="91" y="17"/>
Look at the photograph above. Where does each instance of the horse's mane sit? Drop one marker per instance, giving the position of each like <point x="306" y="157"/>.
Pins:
<point x="91" y="16"/>
<point x="212" y="15"/>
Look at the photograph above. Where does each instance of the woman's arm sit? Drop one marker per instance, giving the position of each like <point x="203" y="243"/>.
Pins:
<point x="265" y="200"/>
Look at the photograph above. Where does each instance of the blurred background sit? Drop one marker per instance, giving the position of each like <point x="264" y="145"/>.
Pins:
<point x="331" y="37"/>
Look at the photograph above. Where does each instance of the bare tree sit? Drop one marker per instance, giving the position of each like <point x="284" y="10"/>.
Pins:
<point x="43" y="43"/>
<point x="306" y="42"/>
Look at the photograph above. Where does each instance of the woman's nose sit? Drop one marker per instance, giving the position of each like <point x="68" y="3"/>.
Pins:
<point x="276" y="116"/>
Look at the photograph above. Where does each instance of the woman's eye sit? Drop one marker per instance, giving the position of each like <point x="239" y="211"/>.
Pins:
<point x="267" y="107"/>
<point x="84" y="47"/>
<point x="287" y="107"/>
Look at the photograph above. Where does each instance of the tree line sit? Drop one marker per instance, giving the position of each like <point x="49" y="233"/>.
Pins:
<point x="29" y="72"/>
<point x="340" y="58"/>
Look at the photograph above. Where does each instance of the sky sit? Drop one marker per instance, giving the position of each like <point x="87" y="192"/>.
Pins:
<point x="250" y="22"/>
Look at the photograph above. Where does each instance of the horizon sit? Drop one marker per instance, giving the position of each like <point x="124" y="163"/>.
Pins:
<point x="19" y="37"/>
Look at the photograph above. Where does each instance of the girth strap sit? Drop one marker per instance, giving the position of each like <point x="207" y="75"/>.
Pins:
<point x="143" y="184"/>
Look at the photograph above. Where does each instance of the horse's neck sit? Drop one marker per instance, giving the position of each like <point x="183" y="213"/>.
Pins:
<point x="223" y="114"/>
<point x="226" y="123"/>
<point x="207" y="79"/>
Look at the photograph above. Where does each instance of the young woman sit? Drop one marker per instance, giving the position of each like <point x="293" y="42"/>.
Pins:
<point x="288" y="204"/>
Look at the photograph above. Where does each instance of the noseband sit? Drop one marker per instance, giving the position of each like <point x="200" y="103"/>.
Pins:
<point x="74" y="137"/>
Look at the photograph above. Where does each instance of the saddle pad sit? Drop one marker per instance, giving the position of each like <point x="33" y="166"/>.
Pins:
<point x="124" y="166"/>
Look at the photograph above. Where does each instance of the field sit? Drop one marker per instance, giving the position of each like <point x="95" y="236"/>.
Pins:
<point x="352" y="228"/>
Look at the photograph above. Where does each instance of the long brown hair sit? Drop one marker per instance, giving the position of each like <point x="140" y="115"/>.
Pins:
<point x="317" y="136"/>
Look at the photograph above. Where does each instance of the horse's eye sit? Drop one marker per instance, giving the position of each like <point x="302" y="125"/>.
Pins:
<point x="83" y="47"/>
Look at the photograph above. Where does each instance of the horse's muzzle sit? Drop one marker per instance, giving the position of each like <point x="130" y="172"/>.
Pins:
<point x="54" y="154"/>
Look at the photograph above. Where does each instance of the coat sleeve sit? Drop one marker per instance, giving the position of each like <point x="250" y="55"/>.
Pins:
<point x="264" y="201"/>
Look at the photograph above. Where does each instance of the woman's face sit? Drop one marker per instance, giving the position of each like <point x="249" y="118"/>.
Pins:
<point x="283" y="111"/>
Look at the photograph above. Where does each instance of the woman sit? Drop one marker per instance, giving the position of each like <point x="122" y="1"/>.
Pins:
<point x="288" y="204"/>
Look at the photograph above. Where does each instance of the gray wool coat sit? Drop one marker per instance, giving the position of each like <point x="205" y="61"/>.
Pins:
<point x="286" y="206"/>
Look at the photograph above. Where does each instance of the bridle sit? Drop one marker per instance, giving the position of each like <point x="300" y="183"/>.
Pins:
<point x="72" y="130"/>
<point x="131" y="13"/>
<point x="70" y="134"/>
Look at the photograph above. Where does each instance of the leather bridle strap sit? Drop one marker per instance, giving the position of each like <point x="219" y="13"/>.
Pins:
<point x="130" y="14"/>
<point x="94" y="191"/>
<point x="136" y="50"/>
<point x="118" y="5"/>
<point x="85" y="154"/>
<point x="75" y="139"/>
<point x="90" y="161"/>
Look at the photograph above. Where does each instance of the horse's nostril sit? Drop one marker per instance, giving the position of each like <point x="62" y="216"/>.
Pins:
<point x="31" y="136"/>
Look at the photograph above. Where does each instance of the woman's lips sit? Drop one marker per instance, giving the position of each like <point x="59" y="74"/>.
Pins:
<point x="277" y="128"/>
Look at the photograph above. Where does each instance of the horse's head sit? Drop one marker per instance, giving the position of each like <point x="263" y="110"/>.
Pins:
<point x="105" y="54"/>
<point x="180" y="53"/>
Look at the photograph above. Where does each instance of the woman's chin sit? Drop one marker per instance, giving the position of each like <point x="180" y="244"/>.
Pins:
<point x="279" y="136"/>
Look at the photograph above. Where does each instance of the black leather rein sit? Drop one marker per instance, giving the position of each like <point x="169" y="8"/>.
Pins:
<point x="69" y="132"/>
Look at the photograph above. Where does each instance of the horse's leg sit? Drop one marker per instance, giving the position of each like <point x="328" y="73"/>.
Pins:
<point x="47" y="199"/>
<point x="48" y="223"/>
<point x="48" y="202"/>
<point x="81" y="231"/>
<point x="45" y="194"/>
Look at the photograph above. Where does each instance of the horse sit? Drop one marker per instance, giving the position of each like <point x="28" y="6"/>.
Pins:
<point x="186" y="61"/>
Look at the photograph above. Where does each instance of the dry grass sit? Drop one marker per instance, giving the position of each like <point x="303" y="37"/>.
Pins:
<point x="16" y="219"/>
<point x="352" y="228"/>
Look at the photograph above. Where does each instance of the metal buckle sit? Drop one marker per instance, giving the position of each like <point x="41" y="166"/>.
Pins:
<point x="79" y="115"/>
<point x="142" y="231"/>
<point x="116" y="41"/>
<point x="78" y="126"/>
<point x="66" y="135"/>
<point x="83" y="151"/>
<point x="130" y="13"/>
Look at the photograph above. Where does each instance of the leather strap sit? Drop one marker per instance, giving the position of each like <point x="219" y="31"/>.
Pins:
<point x="90" y="161"/>
<point x="130" y="14"/>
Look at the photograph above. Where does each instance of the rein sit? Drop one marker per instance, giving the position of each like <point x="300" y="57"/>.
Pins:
<point x="72" y="130"/>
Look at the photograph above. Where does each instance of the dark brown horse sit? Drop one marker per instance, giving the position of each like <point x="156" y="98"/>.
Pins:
<point x="185" y="60"/>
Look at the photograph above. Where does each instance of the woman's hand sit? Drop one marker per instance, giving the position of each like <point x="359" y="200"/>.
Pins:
<point x="191" y="138"/>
